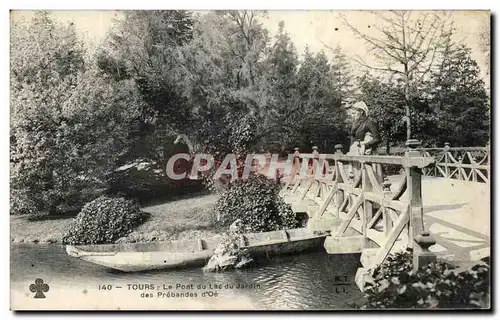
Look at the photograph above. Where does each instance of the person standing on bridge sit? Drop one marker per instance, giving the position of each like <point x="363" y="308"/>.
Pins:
<point x="365" y="136"/>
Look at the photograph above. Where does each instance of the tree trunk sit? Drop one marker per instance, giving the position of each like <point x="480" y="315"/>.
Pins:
<point x="408" y="124"/>
<point x="407" y="84"/>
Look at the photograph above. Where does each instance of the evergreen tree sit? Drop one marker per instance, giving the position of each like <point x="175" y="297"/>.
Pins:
<point x="460" y="100"/>
<point x="322" y="120"/>
<point x="386" y="102"/>
<point x="342" y="74"/>
<point x="278" y="92"/>
<point x="144" y="46"/>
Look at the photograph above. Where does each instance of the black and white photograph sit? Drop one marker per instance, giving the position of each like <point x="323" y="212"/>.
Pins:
<point x="333" y="160"/>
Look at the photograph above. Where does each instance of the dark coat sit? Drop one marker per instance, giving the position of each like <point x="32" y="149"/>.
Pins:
<point x="361" y="127"/>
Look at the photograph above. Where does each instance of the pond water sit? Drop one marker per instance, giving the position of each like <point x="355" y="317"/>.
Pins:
<point x="303" y="281"/>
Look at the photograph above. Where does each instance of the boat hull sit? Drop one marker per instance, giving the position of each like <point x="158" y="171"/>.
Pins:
<point x="134" y="262"/>
<point x="135" y="257"/>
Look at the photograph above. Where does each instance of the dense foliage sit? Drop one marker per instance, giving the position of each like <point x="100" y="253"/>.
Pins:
<point x="435" y="286"/>
<point x="69" y="124"/>
<point x="104" y="220"/>
<point x="221" y="79"/>
<point x="460" y="100"/>
<point x="256" y="203"/>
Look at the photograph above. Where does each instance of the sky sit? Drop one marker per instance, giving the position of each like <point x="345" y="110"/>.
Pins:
<point x="318" y="29"/>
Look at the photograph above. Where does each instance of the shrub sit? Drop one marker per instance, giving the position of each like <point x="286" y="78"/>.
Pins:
<point x="104" y="220"/>
<point x="222" y="184"/>
<point x="438" y="285"/>
<point x="256" y="203"/>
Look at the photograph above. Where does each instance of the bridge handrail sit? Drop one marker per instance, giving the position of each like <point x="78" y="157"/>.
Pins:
<point x="461" y="163"/>
<point x="361" y="188"/>
<point x="404" y="161"/>
<point x="455" y="149"/>
<point x="353" y="185"/>
<point x="420" y="161"/>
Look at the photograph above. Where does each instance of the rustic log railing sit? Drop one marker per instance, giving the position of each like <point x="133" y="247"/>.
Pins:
<point x="462" y="163"/>
<point x="347" y="188"/>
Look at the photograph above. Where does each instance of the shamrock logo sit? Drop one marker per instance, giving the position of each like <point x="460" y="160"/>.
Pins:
<point x="39" y="287"/>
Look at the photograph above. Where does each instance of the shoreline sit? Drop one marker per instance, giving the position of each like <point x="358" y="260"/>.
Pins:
<point x="177" y="219"/>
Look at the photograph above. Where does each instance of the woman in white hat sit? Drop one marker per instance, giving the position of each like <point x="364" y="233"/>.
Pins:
<point x="365" y="136"/>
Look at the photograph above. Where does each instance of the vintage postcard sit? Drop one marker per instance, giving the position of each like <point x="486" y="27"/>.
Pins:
<point x="250" y="160"/>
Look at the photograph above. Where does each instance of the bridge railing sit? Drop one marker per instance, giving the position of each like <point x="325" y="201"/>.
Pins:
<point x="461" y="163"/>
<point x="351" y="189"/>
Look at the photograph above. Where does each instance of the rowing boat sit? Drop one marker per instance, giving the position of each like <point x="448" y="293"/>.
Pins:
<point x="133" y="257"/>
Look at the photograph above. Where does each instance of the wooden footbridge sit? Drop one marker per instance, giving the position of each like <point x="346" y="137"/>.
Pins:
<point x="435" y="202"/>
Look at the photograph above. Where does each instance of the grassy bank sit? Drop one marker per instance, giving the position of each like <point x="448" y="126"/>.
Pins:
<point x="181" y="218"/>
<point x="23" y="229"/>
<point x="184" y="218"/>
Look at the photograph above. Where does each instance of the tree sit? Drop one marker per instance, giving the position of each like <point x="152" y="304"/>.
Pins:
<point x="342" y="74"/>
<point x="386" y="101"/>
<point x="44" y="52"/>
<point x="222" y="77"/>
<point x="484" y="38"/>
<point x="69" y="125"/>
<point x="145" y="46"/>
<point x="278" y="92"/>
<point x="459" y="98"/>
<point x="407" y="46"/>
<point x="321" y="120"/>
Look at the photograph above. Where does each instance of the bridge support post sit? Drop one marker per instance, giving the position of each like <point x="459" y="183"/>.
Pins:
<point x="315" y="160"/>
<point x="294" y="179"/>
<point x="339" y="195"/>
<point x="296" y="164"/>
<point x="318" y="220"/>
<point x="446" y="160"/>
<point x="422" y="239"/>
<point x="422" y="256"/>
<point x="367" y="205"/>
<point x="350" y="243"/>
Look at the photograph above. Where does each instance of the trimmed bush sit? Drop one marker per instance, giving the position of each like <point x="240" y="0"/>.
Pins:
<point x="257" y="204"/>
<point x="436" y="286"/>
<point x="104" y="220"/>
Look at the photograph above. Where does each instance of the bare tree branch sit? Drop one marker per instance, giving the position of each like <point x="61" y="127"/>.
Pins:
<point x="417" y="30"/>
<point x="360" y="61"/>
<point x="425" y="52"/>
<point x="409" y="40"/>
<point x="388" y="20"/>
<point x="376" y="43"/>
